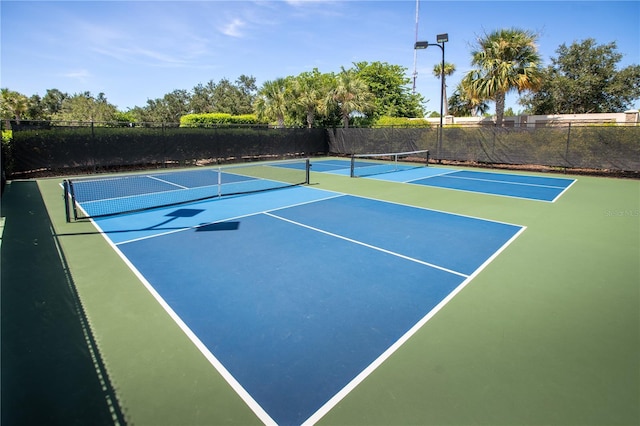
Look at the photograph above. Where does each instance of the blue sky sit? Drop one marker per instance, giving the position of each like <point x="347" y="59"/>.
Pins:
<point x="138" y="50"/>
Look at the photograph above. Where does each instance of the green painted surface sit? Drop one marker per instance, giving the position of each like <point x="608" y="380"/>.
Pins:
<point x="160" y="377"/>
<point x="548" y="333"/>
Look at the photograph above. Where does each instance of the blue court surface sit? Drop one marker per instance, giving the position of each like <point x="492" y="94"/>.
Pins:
<point x="297" y="294"/>
<point x="539" y="188"/>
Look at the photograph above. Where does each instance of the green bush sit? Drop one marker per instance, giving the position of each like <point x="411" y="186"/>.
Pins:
<point x="401" y="122"/>
<point x="6" y="155"/>
<point x="217" y="119"/>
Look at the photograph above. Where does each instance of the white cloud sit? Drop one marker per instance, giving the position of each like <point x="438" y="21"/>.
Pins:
<point x="81" y="75"/>
<point x="233" y="28"/>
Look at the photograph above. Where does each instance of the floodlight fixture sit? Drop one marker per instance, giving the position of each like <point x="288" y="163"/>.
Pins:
<point x="441" y="39"/>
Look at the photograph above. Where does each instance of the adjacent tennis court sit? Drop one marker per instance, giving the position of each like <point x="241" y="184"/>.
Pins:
<point x="540" y="188"/>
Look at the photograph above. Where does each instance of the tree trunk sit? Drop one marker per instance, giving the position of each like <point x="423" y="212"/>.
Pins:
<point x="499" y="108"/>
<point x="309" y="119"/>
<point x="444" y="99"/>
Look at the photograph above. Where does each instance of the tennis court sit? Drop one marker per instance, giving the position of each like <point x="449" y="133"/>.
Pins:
<point x="359" y="301"/>
<point x="292" y="294"/>
<point x="541" y="188"/>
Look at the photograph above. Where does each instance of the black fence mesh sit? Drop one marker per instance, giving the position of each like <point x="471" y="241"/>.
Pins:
<point x="39" y="148"/>
<point x="92" y="148"/>
<point x="613" y="148"/>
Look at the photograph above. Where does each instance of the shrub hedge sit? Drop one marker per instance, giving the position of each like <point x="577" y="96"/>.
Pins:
<point x="217" y="119"/>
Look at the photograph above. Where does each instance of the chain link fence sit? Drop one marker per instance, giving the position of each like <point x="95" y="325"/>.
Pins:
<point x="39" y="148"/>
<point x="606" y="148"/>
<point x="46" y="148"/>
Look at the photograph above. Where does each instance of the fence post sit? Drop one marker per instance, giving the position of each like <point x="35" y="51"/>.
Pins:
<point x="566" y="149"/>
<point x="94" y="148"/>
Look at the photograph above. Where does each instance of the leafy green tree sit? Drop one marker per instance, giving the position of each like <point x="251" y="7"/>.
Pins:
<point x="13" y="105"/>
<point x="52" y="103"/>
<point x="247" y="90"/>
<point x="167" y="109"/>
<point x="449" y="69"/>
<point x="224" y="97"/>
<point x="461" y="105"/>
<point x="391" y="89"/>
<point x="86" y="107"/>
<point x="127" y="117"/>
<point x="306" y="94"/>
<point x="271" y="103"/>
<point x="234" y="99"/>
<point x="175" y="104"/>
<point x="509" y="112"/>
<point x="584" y="78"/>
<point x="201" y="99"/>
<point x="351" y="95"/>
<point x="35" y="109"/>
<point x="505" y="60"/>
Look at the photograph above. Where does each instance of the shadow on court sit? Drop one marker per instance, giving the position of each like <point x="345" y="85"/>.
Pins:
<point x="51" y="371"/>
<point x="162" y="226"/>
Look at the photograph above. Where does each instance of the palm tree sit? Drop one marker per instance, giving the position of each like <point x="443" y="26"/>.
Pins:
<point x="506" y="60"/>
<point x="307" y="96"/>
<point x="13" y="104"/>
<point x="461" y="105"/>
<point x="351" y="94"/>
<point x="271" y="102"/>
<point x="448" y="70"/>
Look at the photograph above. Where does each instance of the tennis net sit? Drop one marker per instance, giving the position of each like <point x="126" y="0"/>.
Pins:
<point x="373" y="164"/>
<point x="117" y="194"/>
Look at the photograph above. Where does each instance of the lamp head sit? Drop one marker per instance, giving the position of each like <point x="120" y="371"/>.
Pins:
<point x="441" y="38"/>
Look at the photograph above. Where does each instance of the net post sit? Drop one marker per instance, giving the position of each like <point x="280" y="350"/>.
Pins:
<point x="67" y="214"/>
<point x="352" y="173"/>
<point x="307" y="166"/>
<point x="428" y="154"/>
<point x="73" y="199"/>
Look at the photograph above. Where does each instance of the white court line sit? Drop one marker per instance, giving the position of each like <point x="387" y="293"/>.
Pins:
<point x="469" y="191"/>
<point x="333" y="401"/>
<point x="402" y="340"/>
<point x="564" y="190"/>
<point x="507" y="182"/>
<point x="431" y="176"/>
<point x="186" y="228"/>
<point x="235" y="385"/>
<point x="431" y="265"/>
<point x="168" y="182"/>
<point x="434" y="210"/>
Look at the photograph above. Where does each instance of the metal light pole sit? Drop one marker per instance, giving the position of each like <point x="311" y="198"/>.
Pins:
<point x="441" y="39"/>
